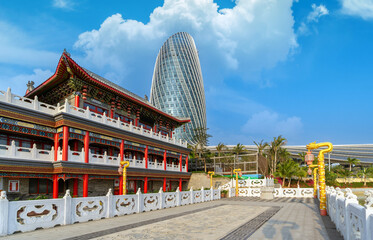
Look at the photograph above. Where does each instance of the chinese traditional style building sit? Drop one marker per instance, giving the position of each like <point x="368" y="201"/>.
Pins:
<point x="72" y="131"/>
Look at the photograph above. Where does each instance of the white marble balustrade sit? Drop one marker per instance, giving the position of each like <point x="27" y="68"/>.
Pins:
<point x="351" y="219"/>
<point x="35" y="154"/>
<point x="29" y="215"/>
<point x="10" y="98"/>
<point x="12" y="151"/>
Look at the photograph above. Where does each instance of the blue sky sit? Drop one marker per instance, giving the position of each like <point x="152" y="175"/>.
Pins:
<point x="302" y="68"/>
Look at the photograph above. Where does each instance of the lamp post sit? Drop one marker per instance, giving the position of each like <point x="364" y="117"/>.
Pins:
<point x="321" y="169"/>
<point x="123" y="170"/>
<point x="211" y="173"/>
<point x="236" y="171"/>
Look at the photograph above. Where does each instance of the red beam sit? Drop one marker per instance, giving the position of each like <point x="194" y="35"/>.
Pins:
<point x="65" y="143"/>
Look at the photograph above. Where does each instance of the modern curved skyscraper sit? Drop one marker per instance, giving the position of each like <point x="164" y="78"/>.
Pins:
<point x="177" y="86"/>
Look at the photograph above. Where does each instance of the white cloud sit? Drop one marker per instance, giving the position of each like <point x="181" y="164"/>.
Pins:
<point x="317" y="12"/>
<point x="63" y="4"/>
<point x="19" y="81"/>
<point x="250" y="37"/>
<point x="359" y="8"/>
<point x="267" y="124"/>
<point x="313" y="17"/>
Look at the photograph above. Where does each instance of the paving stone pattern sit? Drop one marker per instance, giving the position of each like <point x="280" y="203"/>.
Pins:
<point x="246" y="230"/>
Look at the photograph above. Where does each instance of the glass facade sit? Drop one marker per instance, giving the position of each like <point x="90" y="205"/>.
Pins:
<point x="177" y="86"/>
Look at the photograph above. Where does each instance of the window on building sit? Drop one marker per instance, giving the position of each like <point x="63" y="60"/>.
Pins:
<point x="41" y="186"/>
<point x="95" y="109"/>
<point x="123" y="118"/>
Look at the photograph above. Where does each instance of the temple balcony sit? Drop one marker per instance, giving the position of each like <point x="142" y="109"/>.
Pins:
<point x="34" y="104"/>
<point x="35" y="154"/>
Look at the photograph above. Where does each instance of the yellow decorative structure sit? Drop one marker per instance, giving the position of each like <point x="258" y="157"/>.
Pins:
<point x="211" y="173"/>
<point x="124" y="165"/>
<point x="236" y="172"/>
<point x="321" y="169"/>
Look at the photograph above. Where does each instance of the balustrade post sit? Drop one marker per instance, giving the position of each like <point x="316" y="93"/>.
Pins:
<point x="140" y="200"/>
<point x="203" y="194"/>
<point x="131" y="126"/>
<point x="52" y="154"/>
<point x="12" y="149"/>
<point x="4" y="212"/>
<point x="105" y="157"/>
<point x="36" y="103"/>
<point x="191" y="195"/>
<point x="141" y="130"/>
<point x="219" y="194"/>
<point x="33" y="151"/>
<point x="178" y="197"/>
<point x="67" y="106"/>
<point x="8" y="95"/>
<point x="68" y="213"/>
<point x="161" y="197"/>
<point x="118" y="122"/>
<point x="104" y="118"/>
<point x="87" y="113"/>
<point x="110" y="202"/>
<point x="212" y="193"/>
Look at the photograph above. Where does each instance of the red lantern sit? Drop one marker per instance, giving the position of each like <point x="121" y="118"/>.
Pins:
<point x="309" y="158"/>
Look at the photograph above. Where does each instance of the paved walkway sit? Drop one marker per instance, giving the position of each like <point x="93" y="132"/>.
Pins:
<point x="234" y="218"/>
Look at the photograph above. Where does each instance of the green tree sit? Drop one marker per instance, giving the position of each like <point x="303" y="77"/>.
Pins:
<point x="365" y="173"/>
<point x="202" y="138"/>
<point x="262" y="160"/>
<point x="220" y="148"/>
<point x="275" y="146"/>
<point x="286" y="169"/>
<point x="344" y="173"/>
<point x="352" y="161"/>
<point x="300" y="173"/>
<point x="238" y="149"/>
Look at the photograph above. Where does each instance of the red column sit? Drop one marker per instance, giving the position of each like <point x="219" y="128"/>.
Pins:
<point x="65" y="143"/>
<point x="186" y="164"/>
<point x="165" y="160"/>
<point x="121" y="185"/>
<point x="77" y="100"/>
<point x="145" y="184"/>
<point x="146" y="157"/>
<point x="55" y="186"/>
<point x="56" y="145"/>
<point x="155" y="129"/>
<point x="75" y="188"/>
<point x="86" y="147"/>
<point x="164" y="185"/>
<point x="85" y="185"/>
<point x="112" y="113"/>
<point x="122" y="150"/>
<point x="180" y="184"/>
<point x="181" y="162"/>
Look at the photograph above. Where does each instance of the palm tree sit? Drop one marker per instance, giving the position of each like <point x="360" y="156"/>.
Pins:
<point x="344" y="173"/>
<point x="286" y="169"/>
<point x="220" y="148"/>
<point x="238" y="149"/>
<point x="352" y="161"/>
<point x="275" y="146"/>
<point x="262" y="160"/>
<point x="300" y="173"/>
<point x="365" y="173"/>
